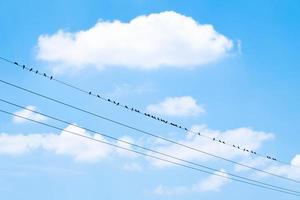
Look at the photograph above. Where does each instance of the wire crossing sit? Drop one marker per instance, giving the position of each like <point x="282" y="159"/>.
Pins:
<point x="220" y="173"/>
<point x="133" y="109"/>
<point x="135" y="129"/>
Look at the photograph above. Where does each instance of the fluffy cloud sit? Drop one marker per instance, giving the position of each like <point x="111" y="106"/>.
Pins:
<point x="126" y="145"/>
<point x="291" y="171"/>
<point x="211" y="183"/>
<point x="296" y="160"/>
<point x="245" y="137"/>
<point x="176" y="106"/>
<point x="166" y="39"/>
<point x="28" y="114"/>
<point x="81" y="149"/>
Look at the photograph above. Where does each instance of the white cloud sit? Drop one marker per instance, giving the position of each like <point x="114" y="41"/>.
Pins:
<point x="28" y="114"/>
<point x="245" y="137"/>
<point x="289" y="171"/>
<point x="211" y="183"/>
<point x="166" y="39"/>
<point x="81" y="149"/>
<point x="296" y="160"/>
<point x="126" y="144"/>
<point x="19" y="144"/>
<point x="257" y="162"/>
<point x="177" y="106"/>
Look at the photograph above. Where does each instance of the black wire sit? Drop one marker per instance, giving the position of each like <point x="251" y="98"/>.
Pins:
<point x="148" y="115"/>
<point x="135" y="145"/>
<point x="261" y="184"/>
<point x="141" y="131"/>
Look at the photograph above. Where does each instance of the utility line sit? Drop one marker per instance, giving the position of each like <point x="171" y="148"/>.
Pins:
<point x="89" y="92"/>
<point x="148" y="133"/>
<point x="135" y="129"/>
<point x="93" y="131"/>
<point x="220" y="173"/>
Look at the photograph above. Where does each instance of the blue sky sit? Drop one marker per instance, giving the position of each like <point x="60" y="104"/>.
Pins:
<point x="242" y="86"/>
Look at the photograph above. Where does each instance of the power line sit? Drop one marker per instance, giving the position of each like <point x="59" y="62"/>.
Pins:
<point x="93" y="131"/>
<point x="220" y="173"/>
<point x="98" y="96"/>
<point x="135" y="129"/>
